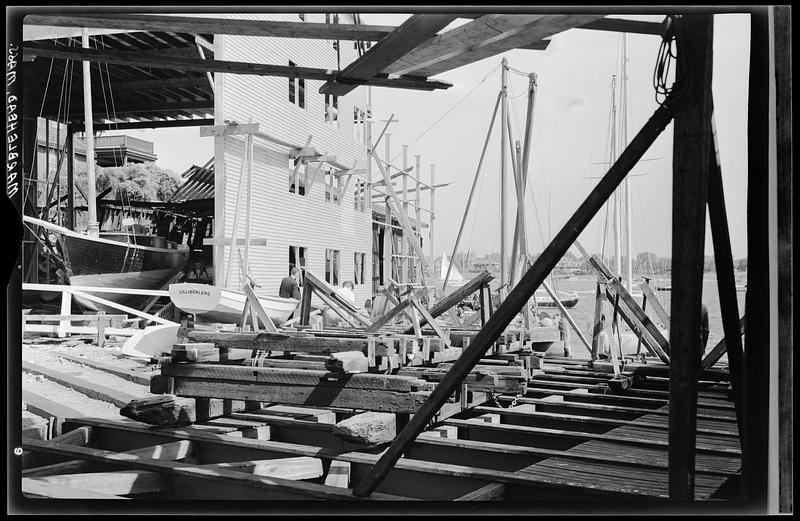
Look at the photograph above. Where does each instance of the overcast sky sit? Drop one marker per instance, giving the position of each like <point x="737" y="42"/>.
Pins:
<point x="570" y="135"/>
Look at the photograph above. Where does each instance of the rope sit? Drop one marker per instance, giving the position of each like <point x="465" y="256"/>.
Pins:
<point x="449" y="110"/>
<point x="667" y="53"/>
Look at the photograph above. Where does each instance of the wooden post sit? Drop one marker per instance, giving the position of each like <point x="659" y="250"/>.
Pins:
<point x="403" y="275"/>
<point x="503" y="141"/>
<point x="521" y="293"/>
<point x="597" y="329"/>
<point x="388" y="239"/>
<point x="432" y="219"/>
<point x="88" y="125"/>
<point x="249" y="173"/>
<point x="782" y="29"/>
<point x="70" y="141"/>
<point x="726" y="282"/>
<point x="691" y="153"/>
<point x="418" y="210"/>
<point x="220" y="195"/>
<point x="566" y="315"/>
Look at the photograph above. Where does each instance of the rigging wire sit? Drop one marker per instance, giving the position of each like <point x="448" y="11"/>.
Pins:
<point x="449" y="110"/>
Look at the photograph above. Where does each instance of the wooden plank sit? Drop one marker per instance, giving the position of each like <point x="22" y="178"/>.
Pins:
<point x="38" y="489"/>
<point x="91" y="389"/>
<point x="191" y="24"/>
<point x="139" y="377"/>
<point x="652" y="299"/>
<point x="136" y="59"/>
<point x="230" y="129"/>
<point x="692" y="150"/>
<point x="388" y="317"/>
<point x="225" y="483"/>
<point x="456" y="296"/>
<point x="301" y="467"/>
<point x="161" y="410"/>
<point x="490" y="492"/>
<point x="401" y="41"/>
<point x="338" y="474"/>
<point x="519" y="296"/>
<point x="487" y="36"/>
<point x="314" y="396"/>
<point x="782" y="31"/>
<point x="726" y="278"/>
<point x="758" y="298"/>
<point x="348" y="362"/>
<point x="294" y="377"/>
<point x="47" y="408"/>
<point x="112" y="483"/>
<point x="720" y="349"/>
<point x="620" y="25"/>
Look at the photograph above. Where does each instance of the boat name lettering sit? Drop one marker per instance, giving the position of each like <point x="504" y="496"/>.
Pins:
<point x="193" y="292"/>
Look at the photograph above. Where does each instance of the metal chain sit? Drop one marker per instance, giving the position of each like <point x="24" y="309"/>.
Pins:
<point x="497" y="402"/>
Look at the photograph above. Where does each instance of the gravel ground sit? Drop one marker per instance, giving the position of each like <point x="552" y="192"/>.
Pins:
<point x="68" y="397"/>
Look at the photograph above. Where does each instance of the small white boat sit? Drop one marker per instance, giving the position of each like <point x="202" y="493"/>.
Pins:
<point x="543" y="299"/>
<point x="214" y="304"/>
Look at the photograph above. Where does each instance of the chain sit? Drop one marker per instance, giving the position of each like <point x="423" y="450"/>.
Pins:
<point x="497" y="402"/>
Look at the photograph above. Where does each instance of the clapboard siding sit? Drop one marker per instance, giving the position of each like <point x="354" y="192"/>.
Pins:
<point x="283" y="218"/>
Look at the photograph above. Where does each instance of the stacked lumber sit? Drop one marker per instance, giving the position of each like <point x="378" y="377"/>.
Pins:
<point x="315" y="388"/>
<point x="486" y="378"/>
<point x="163" y="410"/>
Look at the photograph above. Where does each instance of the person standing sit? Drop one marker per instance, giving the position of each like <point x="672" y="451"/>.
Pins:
<point x="704" y="329"/>
<point x="289" y="286"/>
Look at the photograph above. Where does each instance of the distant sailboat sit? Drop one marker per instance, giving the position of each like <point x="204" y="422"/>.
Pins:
<point x="455" y="275"/>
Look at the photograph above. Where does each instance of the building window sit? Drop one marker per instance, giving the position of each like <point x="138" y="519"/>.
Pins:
<point x="359" y="125"/>
<point x="297" y="89"/>
<point x="360" y="196"/>
<point x="297" y="184"/>
<point x="333" y="19"/>
<point x="332" y="267"/>
<point x="333" y="184"/>
<point x="332" y="110"/>
<point x="358" y="266"/>
<point x="297" y="259"/>
<point x="302" y="17"/>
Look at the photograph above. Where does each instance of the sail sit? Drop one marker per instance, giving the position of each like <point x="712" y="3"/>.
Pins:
<point x="455" y="275"/>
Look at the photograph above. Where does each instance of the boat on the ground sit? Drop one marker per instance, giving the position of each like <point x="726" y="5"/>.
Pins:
<point x="567" y="299"/>
<point x="112" y="260"/>
<point x="214" y="304"/>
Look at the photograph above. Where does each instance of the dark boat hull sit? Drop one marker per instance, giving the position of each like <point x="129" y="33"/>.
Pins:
<point x="101" y="262"/>
<point x="567" y="303"/>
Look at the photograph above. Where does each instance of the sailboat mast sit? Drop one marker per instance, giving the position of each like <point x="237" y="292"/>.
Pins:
<point x="503" y="147"/>
<point x="624" y="89"/>
<point x="93" y="227"/>
<point x="615" y="202"/>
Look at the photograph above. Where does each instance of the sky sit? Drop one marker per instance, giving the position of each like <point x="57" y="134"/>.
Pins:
<point x="570" y="134"/>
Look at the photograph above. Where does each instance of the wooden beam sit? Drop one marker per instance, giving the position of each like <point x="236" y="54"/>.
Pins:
<point x="716" y="353"/>
<point x="39" y="489"/>
<point x="487" y="36"/>
<point x="301" y="467"/>
<point x="404" y="39"/>
<point x="112" y="483"/>
<point x="620" y="25"/>
<point x="237" y="485"/>
<point x="518" y="296"/>
<point x="186" y="24"/>
<point x="475" y="284"/>
<point x="135" y="59"/>
<point x="782" y="30"/>
<point x="726" y="279"/>
<point x="758" y="302"/>
<point x="655" y="303"/>
<point x="692" y="150"/>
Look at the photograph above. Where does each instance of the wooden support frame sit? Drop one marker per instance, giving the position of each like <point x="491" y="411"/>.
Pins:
<point x="343" y="308"/>
<point x="693" y="148"/>
<point x="399" y="42"/>
<point x="477" y="283"/>
<point x="131" y="58"/>
<point x="518" y="296"/>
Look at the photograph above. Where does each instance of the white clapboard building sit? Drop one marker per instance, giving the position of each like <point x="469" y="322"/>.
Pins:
<point x="321" y="222"/>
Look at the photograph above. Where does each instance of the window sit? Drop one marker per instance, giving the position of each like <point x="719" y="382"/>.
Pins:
<point x="297" y="182"/>
<point x="332" y="267"/>
<point x="358" y="266"/>
<point x="302" y="17"/>
<point x="333" y="19"/>
<point x="297" y="259"/>
<point x="332" y="186"/>
<point x="359" y="125"/>
<point x="332" y="110"/>
<point x="360" y="196"/>
<point x="297" y="89"/>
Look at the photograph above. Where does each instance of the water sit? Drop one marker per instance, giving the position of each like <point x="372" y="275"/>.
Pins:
<point x="583" y="312"/>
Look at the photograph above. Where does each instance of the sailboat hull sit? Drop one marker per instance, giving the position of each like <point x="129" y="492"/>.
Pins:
<point x="215" y="304"/>
<point x="102" y="262"/>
